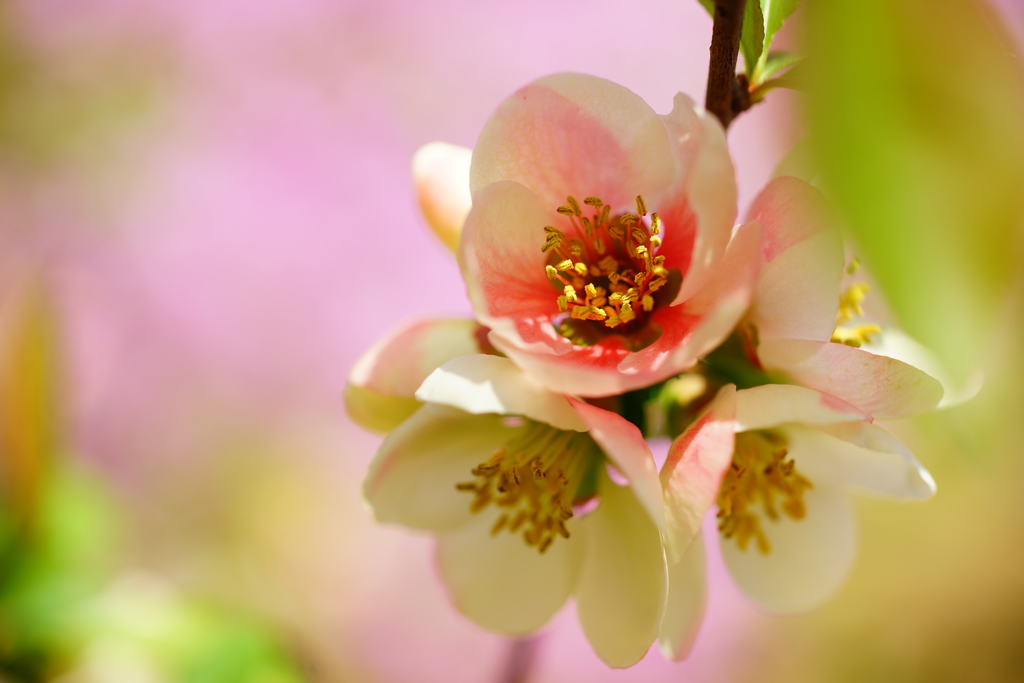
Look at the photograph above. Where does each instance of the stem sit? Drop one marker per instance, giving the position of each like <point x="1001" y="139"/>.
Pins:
<point x="723" y="97"/>
<point x="522" y="654"/>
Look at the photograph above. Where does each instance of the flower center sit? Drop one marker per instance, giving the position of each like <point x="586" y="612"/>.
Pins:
<point x="759" y="473"/>
<point x="855" y="335"/>
<point x="536" y="478"/>
<point x="609" y="273"/>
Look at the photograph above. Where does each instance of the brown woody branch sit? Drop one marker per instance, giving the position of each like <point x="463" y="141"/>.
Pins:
<point x="727" y="93"/>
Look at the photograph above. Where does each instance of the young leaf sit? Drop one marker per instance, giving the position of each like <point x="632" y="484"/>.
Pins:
<point x="752" y="40"/>
<point x="709" y="5"/>
<point x="774" y="13"/>
<point x="778" y="61"/>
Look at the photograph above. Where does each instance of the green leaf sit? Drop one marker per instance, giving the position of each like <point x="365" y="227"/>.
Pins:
<point x="752" y="39"/>
<point x="778" y="61"/>
<point x="774" y="14"/>
<point x="709" y="5"/>
<point x="915" y="110"/>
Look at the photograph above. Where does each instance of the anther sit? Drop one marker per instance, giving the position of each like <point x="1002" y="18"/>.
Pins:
<point x="641" y="207"/>
<point x="655" y="224"/>
<point x="594" y="202"/>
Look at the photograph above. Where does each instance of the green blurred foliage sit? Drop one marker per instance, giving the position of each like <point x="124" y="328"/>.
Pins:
<point x="916" y="111"/>
<point x="70" y="605"/>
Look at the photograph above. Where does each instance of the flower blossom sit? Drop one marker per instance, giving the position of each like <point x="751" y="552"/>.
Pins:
<point x="781" y="455"/>
<point x="600" y="248"/>
<point x="533" y="496"/>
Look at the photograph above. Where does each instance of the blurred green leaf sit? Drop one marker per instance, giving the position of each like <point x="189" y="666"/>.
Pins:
<point x="778" y="61"/>
<point x="773" y="14"/>
<point x="917" y="113"/>
<point x="709" y="5"/>
<point x="752" y="40"/>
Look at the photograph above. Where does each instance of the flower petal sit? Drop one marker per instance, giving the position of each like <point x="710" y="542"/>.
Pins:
<point x="623" y="583"/>
<point x="624" y="445"/>
<point x="571" y="134"/>
<point x="687" y="599"/>
<point x="798" y="289"/>
<point x="809" y="558"/>
<point x="381" y="385"/>
<point x="771" y="405"/>
<point x="491" y="384"/>
<point x="694" y="328"/>
<point x="861" y="457"/>
<point x="693" y="471"/>
<point x="699" y="210"/>
<point x="503" y="584"/>
<point x="441" y="174"/>
<point x="412" y="478"/>
<point x="896" y="344"/>
<point x="503" y="266"/>
<point x="881" y="386"/>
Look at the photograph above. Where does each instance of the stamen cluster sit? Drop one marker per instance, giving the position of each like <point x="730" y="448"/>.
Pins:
<point x="606" y="267"/>
<point x="759" y="473"/>
<point x="535" y="479"/>
<point x="849" y="308"/>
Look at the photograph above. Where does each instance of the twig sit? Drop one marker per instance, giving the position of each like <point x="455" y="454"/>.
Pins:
<point x="724" y="98"/>
<point x="519" y="664"/>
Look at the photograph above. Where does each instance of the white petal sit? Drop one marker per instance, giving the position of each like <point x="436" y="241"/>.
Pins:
<point x="771" y="405"/>
<point x="809" y="558"/>
<point x="859" y="456"/>
<point x="503" y="584"/>
<point x="492" y="384"/>
<point x="687" y="599"/>
<point x="623" y="583"/>
<point x="897" y="344"/>
<point x="412" y="478"/>
<point x="882" y="386"/>
<point x="441" y="174"/>
<point x="625" y="446"/>
<point x="380" y="391"/>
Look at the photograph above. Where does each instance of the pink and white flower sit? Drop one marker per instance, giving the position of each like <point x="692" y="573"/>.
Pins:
<point x="600" y="247"/>
<point x="519" y="486"/>
<point x="781" y="459"/>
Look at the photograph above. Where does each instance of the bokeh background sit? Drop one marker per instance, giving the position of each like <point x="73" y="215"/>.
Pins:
<point x="206" y="214"/>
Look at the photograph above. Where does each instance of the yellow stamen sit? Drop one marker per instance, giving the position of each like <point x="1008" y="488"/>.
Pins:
<point x="534" y="479"/>
<point x="759" y="476"/>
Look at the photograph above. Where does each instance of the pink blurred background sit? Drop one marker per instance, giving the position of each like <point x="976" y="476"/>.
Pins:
<point x="219" y="193"/>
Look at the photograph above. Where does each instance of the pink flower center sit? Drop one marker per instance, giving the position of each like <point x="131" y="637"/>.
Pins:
<point x="609" y="274"/>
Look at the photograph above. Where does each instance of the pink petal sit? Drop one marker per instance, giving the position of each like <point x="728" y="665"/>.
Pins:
<point x="693" y="471"/>
<point x="880" y="386"/>
<point x="503" y="266"/>
<point x="798" y="290"/>
<point x="381" y="385"/>
<point x="482" y="384"/>
<point x="772" y="405"/>
<point x="441" y="174"/>
<point x="572" y="134"/>
<point x="625" y="446"/>
<point x="699" y="210"/>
